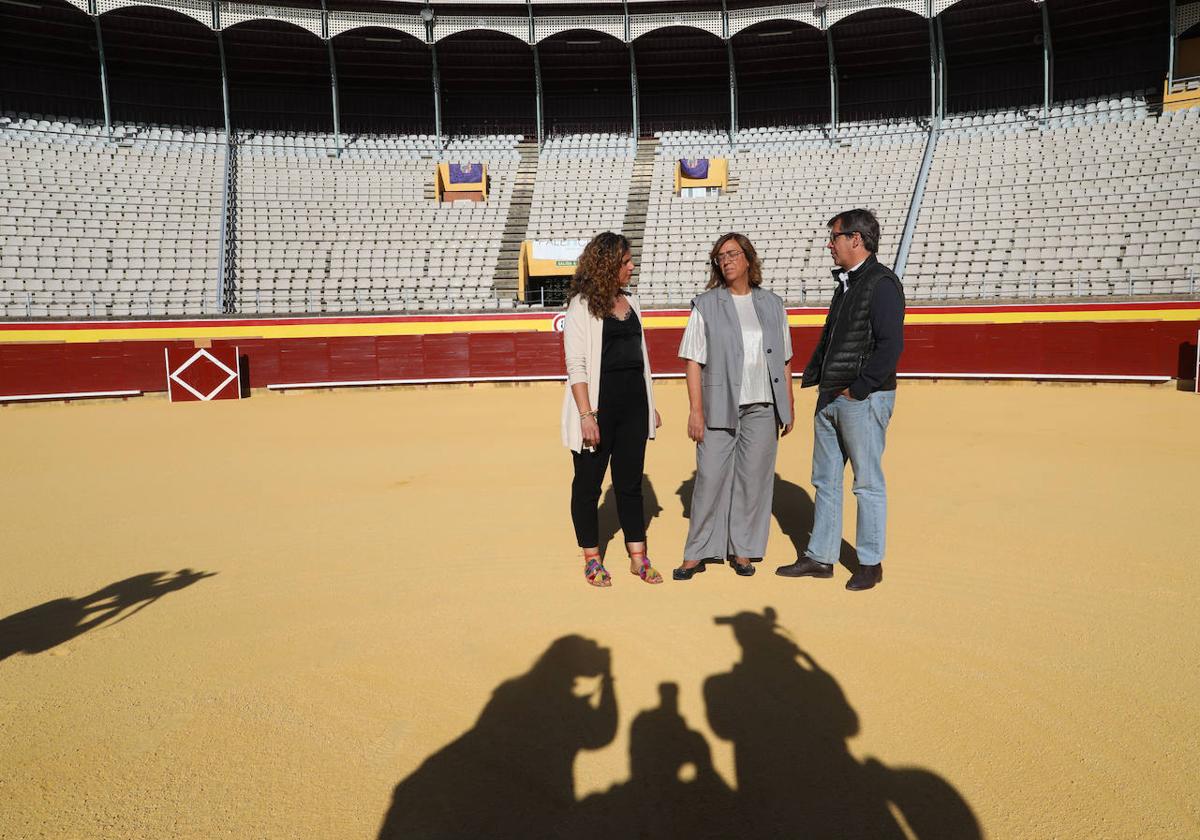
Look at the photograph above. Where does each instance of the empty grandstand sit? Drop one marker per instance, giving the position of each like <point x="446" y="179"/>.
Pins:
<point x="582" y="186"/>
<point x="786" y="181"/>
<point x="1101" y="201"/>
<point x="359" y="231"/>
<point x="184" y="157"/>
<point x="96" y="226"/>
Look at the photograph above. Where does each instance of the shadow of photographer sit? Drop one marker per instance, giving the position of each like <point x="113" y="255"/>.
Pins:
<point x="512" y="774"/>
<point x="789" y="721"/>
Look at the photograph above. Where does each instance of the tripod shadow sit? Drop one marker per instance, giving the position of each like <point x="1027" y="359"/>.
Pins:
<point x="48" y="625"/>
<point x="796" y="776"/>
<point x="792" y="508"/>
<point x="673" y="789"/>
<point x="607" y="513"/>
<point x="512" y="773"/>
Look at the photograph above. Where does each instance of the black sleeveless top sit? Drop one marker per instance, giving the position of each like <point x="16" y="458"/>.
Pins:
<point x="622" y="344"/>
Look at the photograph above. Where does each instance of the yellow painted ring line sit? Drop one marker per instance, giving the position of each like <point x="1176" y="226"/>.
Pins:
<point x="543" y="323"/>
<point x="1068" y="316"/>
<point x="996" y="317"/>
<point x="216" y="331"/>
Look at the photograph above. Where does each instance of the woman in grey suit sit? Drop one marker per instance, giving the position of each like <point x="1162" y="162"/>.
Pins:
<point x="739" y="379"/>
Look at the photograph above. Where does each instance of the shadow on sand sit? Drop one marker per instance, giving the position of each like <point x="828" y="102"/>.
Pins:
<point x="512" y="774"/>
<point x="788" y="720"/>
<point x="50" y="624"/>
<point x="607" y="513"/>
<point x="792" y="508"/>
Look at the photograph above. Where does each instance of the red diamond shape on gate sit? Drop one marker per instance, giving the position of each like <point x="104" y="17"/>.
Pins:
<point x="204" y="375"/>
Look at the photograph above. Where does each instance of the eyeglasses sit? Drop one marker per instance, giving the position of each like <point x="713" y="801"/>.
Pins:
<point x="726" y="256"/>
<point x="833" y="236"/>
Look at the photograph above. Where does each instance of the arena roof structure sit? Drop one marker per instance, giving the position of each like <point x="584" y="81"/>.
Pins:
<point x="539" y="68"/>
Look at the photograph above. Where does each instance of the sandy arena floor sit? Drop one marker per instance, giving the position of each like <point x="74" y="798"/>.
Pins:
<point x="366" y="568"/>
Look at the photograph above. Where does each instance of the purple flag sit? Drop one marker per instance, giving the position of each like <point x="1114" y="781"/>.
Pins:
<point x="466" y="173"/>
<point x="697" y="168"/>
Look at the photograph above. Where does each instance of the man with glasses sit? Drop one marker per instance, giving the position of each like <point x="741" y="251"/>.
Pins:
<point x="854" y="367"/>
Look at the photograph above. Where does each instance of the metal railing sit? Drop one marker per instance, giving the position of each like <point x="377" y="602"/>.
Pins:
<point x="227" y="278"/>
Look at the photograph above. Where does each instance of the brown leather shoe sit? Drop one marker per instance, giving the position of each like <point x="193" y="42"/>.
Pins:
<point x="865" y="577"/>
<point x="806" y="567"/>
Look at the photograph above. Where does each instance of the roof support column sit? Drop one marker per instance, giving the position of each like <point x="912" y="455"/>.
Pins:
<point x="1047" y="63"/>
<point x="216" y="11"/>
<point x="833" y="72"/>
<point x="943" y="87"/>
<point x="103" y="68"/>
<point x="633" y="79"/>
<point x="733" y="97"/>
<point x="428" y="16"/>
<point x="333" y="81"/>
<point x="1172" y="43"/>
<point x="933" y="68"/>
<point x="537" y="77"/>
<point x="937" y="68"/>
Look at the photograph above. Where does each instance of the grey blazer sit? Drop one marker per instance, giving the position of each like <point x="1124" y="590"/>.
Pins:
<point x="722" y="374"/>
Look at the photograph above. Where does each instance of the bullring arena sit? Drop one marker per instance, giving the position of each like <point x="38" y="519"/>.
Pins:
<point x="286" y="547"/>
<point x="368" y="567"/>
<point x="255" y="618"/>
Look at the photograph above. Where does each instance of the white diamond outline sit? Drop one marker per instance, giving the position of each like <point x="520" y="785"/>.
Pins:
<point x="194" y="357"/>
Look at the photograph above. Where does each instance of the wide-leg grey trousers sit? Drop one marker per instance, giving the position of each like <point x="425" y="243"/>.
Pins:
<point x="735" y="486"/>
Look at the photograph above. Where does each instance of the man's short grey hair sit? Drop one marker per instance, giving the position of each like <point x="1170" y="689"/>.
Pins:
<point x="862" y="222"/>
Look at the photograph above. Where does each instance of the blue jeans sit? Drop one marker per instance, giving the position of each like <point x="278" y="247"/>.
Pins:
<point x="854" y="431"/>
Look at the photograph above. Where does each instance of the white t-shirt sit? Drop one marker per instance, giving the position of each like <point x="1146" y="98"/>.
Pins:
<point x="756" y="380"/>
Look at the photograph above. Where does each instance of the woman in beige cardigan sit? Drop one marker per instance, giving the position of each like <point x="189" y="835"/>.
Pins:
<point x="608" y="410"/>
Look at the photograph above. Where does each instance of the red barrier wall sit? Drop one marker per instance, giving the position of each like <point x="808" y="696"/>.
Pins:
<point x="1103" y="348"/>
<point x="76" y="368"/>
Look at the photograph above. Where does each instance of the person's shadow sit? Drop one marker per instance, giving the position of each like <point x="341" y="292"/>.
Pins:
<point x="792" y="508"/>
<point x="512" y="773"/>
<point x="607" y="513"/>
<point x="673" y="789"/>
<point x="48" y="625"/>
<point x="685" y="492"/>
<point x="789" y="720"/>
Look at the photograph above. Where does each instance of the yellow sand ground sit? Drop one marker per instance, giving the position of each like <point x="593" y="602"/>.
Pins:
<point x="381" y="561"/>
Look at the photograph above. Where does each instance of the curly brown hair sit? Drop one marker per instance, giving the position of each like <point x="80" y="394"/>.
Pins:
<point x="598" y="273"/>
<point x="717" y="278"/>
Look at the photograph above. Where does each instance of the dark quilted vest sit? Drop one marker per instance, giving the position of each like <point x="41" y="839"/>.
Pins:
<point x="847" y="341"/>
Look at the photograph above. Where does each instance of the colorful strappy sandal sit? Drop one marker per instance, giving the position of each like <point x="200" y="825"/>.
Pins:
<point x="594" y="571"/>
<point x="645" y="571"/>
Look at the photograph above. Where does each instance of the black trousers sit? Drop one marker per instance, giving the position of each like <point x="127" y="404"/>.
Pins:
<point x="624" y="429"/>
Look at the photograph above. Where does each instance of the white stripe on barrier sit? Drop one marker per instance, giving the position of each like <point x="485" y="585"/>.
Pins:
<point x="1075" y="377"/>
<point x="75" y="395"/>
<point x="460" y="380"/>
